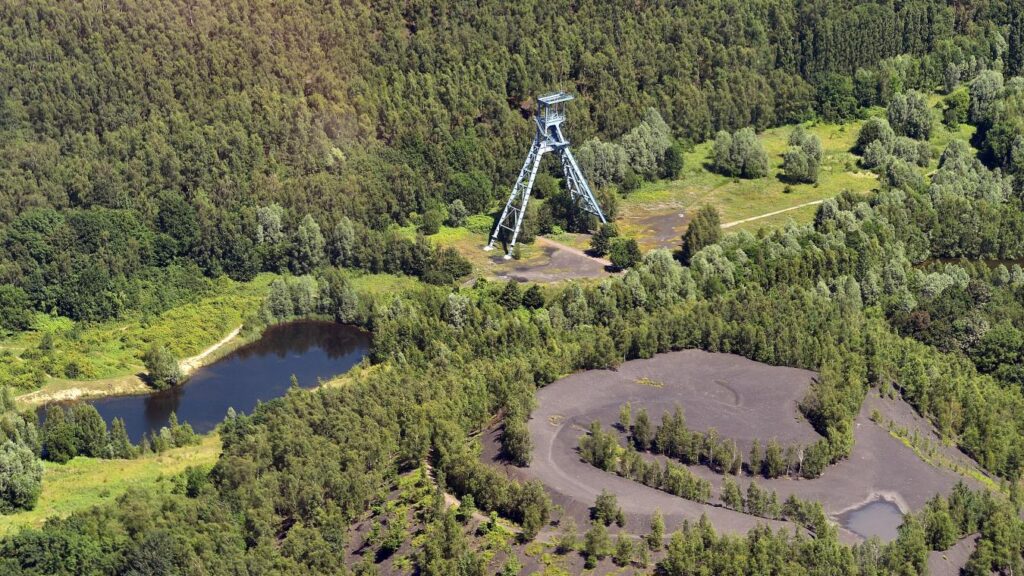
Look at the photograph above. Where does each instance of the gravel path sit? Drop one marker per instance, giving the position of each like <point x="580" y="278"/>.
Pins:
<point x="743" y="400"/>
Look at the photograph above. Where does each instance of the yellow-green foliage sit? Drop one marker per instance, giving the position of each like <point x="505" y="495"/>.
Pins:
<point x="85" y="482"/>
<point x="738" y="199"/>
<point x="114" y="348"/>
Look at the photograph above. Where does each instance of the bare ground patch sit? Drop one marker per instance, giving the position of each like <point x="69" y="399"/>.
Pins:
<point x="658" y="229"/>
<point x="743" y="400"/>
<point x="556" y="263"/>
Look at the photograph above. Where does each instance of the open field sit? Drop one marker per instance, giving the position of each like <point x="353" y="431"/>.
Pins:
<point x="544" y="260"/>
<point x="656" y="214"/>
<point x="743" y="400"/>
<point x="86" y="482"/>
<point x="652" y="213"/>
<point x="106" y="355"/>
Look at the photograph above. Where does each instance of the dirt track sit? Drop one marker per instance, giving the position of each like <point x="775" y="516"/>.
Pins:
<point x="560" y="262"/>
<point x="743" y="400"/>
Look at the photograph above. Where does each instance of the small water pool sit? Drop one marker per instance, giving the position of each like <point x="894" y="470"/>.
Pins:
<point x="880" y="518"/>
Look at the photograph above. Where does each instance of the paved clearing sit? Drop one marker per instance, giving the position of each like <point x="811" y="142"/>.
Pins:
<point x="744" y="400"/>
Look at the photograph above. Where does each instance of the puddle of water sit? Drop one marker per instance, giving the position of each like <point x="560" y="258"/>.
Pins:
<point x="879" y="518"/>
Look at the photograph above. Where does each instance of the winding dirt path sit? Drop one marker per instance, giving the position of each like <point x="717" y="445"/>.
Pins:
<point x="752" y="218"/>
<point x="192" y="363"/>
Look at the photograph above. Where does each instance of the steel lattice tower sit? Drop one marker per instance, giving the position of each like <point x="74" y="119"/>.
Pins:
<point x="549" y="138"/>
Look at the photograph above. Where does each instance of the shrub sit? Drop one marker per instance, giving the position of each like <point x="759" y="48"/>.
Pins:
<point x="875" y="129"/>
<point x="625" y="253"/>
<point x="21" y="478"/>
<point x="162" y="367"/>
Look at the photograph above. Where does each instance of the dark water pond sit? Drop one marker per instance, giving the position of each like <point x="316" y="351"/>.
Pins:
<point x="258" y="371"/>
<point x="879" y="518"/>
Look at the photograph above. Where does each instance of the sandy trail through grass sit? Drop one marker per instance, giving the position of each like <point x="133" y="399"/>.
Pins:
<point x="191" y="364"/>
<point x="769" y="214"/>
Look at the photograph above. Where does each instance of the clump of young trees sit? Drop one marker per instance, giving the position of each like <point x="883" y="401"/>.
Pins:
<point x="21" y="471"/>
<point x="646" y="152"/>
<point x="802" y="161"/>
<point x="879" y="146"/>
<point x="909" y="115"/>
<point x="705" y="229"/>
<point x="162" y="367"/>
<point x="739" y="154"/>
<point x="79" y="430"/>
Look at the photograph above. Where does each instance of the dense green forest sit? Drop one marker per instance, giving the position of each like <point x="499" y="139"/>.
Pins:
<point x="151" y="146"/>
<point x="148" y="143"/>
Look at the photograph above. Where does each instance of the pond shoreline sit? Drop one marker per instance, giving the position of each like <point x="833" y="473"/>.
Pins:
<point x="62" y="390"/>
<point x="243" y="370"/>
<point x="129" y="384"/>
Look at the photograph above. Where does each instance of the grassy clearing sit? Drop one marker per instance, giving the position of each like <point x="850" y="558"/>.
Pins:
<point x="111" y="350"/>
<point x="738" y="199"/>
<point x="86" y="482"/>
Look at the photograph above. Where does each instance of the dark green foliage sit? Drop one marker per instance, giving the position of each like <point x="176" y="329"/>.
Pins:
<point x="308" y="246"/>
<point x="599" y="448"/>
<point x="986" y="90"/>
<point x="835" y="99"/>
<point x="533" y="298"/>
<point x="473" y="189"/>
<point x="1015" y="40"/>
<point x="624" y="253"/>
<point x="196" y="479"/>
<point x="432" y="220"/>
<point x="59" y="436"/>
<point x="641" y="433"/>
<point x="511" y="296"/>
<point x="516" y="442"/>
<point x="704" y="229"/>
<point x="186" y="172"/>
<point x="338" y="297"/>
<point x="940" y="530"/>
<point x="673" y="163"/>
<point x="90" y="430"/>
<point x="956" y="106"/>
<point x="162" y="367"/>
<point x="909" y="553"/>
<point x="874" y="129"/>
<point x="600" y="242"/>
<point x="15" y="308"/>
<point x="606" y="509"/>
<point x="120" y="444"/>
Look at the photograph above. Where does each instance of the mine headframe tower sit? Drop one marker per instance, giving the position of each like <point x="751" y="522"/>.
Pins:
<point x="549" y="138"/>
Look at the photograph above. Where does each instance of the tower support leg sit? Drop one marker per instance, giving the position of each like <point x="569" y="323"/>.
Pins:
<point x="579" y="190"/>
<point x="511" y="219"/>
